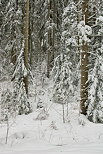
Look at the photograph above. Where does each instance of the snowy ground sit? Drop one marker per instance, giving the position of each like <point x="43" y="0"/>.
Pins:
<point x="75" y="149"/>
<point x="27" y="135"/>
<point x="30" y="136"/>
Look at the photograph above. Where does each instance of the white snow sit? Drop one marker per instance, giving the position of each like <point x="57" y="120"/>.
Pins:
<point x="84" y="31"/>
<point x="99" y="19"/>
<point x="30" y="136"/>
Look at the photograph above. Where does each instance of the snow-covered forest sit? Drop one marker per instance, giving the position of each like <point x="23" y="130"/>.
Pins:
<point x="51" y="76"/>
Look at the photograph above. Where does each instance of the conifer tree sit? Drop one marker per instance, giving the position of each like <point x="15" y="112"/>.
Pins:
<point x="65" y="65"/>
<point x="11" y="33"/>
<point x="19" y="92"/>
<point x="95" y="107"/>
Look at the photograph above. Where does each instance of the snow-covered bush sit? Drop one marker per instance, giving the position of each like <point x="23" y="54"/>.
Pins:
<point x="6" y="107"/>
<point x="43" y="115"/>
<point x="53" y="125"/>
<point x="23" y="104"/>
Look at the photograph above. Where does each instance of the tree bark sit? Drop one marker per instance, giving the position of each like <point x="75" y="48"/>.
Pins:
<point x="50" y="53"/>
<point x="84" y="64"/>
<point x="26" y="41"/>
<point x="84" y="78"/>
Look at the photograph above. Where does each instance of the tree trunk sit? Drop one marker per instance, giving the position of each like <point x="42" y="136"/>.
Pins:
<point x="50" y="53"/>
<point x="84" y="78"/>
<point x="26" y="41"/>
<point x="84" y="64"/>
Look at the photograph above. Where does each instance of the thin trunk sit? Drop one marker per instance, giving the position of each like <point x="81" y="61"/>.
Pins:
<point x="84" y="64"/>
<point x="13" y="50"/>
<point x="50" y="37"/>
<point x="13" y="56"/>
<point x="26" y="41"/>
<point x="63" y="113"/>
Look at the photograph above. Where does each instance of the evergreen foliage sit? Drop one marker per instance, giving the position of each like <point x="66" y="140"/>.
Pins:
<point x="63" y="79"/>
<point x="20" y="72"/>
<point x="65" y="65"/>
<point x="6" y="107"/>
<point x="95" y="107"/>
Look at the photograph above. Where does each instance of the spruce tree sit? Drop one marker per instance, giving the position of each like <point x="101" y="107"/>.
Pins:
<point x="65" y="65"/>
<point x="95" y="107"/>
<point x="19" y="93"/>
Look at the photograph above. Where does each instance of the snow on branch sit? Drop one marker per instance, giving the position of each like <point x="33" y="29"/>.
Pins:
<point x="84" y="31"/>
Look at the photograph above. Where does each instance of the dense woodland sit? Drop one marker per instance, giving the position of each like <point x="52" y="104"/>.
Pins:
<point x="52" y="40"/>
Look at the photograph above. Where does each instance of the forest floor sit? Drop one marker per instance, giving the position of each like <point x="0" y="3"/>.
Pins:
<point x="43" y="132"/>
